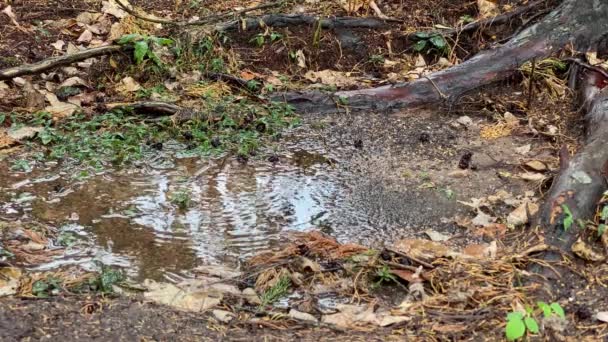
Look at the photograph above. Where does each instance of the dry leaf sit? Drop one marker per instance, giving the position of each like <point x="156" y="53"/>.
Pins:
<point x="531" y="176"/>
<point x="487" y="8"/>
<point x="422" y="249"/>
<point x="536" y="165"/>
<point x="128" y="85"/>
<point x="112" y="8"/>
<point x="58" y="45"/>
<point x="436" y="236"/>
<point x="85" y="37"/>
<point x="169" y="294"/>
<point x="485" y="251"/>
<point x="9" y="280"/>
<point x="584" y="251"/>
<point x="331" y="77"/>
<point x="522" y="214"/>
<point x="301" y="316"/>
<point x="493" y="231"/>
<point x="24" y="133"/>
<point x="301" y="59"/>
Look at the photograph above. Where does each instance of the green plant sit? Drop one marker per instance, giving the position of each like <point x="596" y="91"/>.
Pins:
<point x="143" y="47"/>
<point x="260" y="38"/>
<point x="21" y="165"/>
<point x="384" y="275"/>
<point x="46" y="287"/>
<point x="431" y="43"/>
<point x="553" y="309"/>
<point x="519" y="323"/>
<point x="277" y="291"/>
<point x="376" y="59"/>
<point x="568" y="217"/>
<point x="181" y="198"/>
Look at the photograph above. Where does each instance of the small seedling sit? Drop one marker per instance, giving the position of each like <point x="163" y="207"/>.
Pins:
<point x="181" y="199"/>
<point x="276" y="292"/>
<point x="518" y="323"/>
<point x="431" y="43"/>
<point x="143" y="47"/>
<point x="384" y="275"/>
<point x="21" y="165"/>
<point x="568" y="218"/>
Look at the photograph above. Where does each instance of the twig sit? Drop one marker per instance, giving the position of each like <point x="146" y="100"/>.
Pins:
<point x="597" y="69"/>
<point x="443" y="96"/>
<point x="423" y="263"/>
<point x="531" y="84"/>
<point x="50" y="63"/>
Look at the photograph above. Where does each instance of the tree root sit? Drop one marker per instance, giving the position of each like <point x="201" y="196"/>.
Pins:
<point x="284" y="20"/>
<point x="580" y="24"/>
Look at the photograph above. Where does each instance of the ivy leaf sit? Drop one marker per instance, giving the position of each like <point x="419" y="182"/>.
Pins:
<point x="568" y="218"/>
<point x="163" y="41"/>
<point x="531" y="325"/>
<point x="129" y="38"/>
<point x="141" y="50"/>
<point x="423" y="35"/>
<point x="439" y="42"/>
<point x="515" y="329"/>
<point x="558" y="310"/>
<point x="420" y="45"/>
<point x="601" y="229"/>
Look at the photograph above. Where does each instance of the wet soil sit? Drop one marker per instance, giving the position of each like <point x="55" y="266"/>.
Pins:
<point x="123" y="319"/>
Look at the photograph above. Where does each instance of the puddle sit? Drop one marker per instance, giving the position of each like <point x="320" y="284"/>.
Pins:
<point x="130" y="218"/>
<point x="161" y="218"/>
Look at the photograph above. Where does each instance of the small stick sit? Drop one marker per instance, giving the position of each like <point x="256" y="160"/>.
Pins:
<point x="443" y="96"/>
<point x="531" y="85"/>
<point x="423" y="263"/>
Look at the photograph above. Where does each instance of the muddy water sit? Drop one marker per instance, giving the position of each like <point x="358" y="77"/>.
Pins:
<point x="129" y="218"/>
<point x="322" y="180"/>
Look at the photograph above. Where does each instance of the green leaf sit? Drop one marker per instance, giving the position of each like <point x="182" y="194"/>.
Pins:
<point x="141" y="50"/>
<point x="2" y="118"/>
<point x="531" y="325"/>
<point x="420" y="45"/>
<point x="601" y="229"/>
<point x="163" y="41"/>
<point x="558" y="310"/>
<point x="40" y="289"/>
<point x="568" y="218"/>
<point x="604" y="214"/>
<point x="545" y="308"/>
<point x="515" y="329"/>
<point x="129" y="38"/>
<point x="439" y="42"/>
<point x="422" y="35"/>
<point x="514" y="316"/>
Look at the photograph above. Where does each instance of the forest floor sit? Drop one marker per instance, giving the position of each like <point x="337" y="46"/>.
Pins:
<point x="429" y="234"/>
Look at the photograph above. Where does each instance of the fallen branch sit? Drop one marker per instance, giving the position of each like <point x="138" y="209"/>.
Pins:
<point x="581" y="23"/>
<point x="284" y="20"/>
<point x="50" y="63"/>
<point x="148" y="107"/>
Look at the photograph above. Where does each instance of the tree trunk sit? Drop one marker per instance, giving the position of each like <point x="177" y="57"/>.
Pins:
<point x="579" y="24"/>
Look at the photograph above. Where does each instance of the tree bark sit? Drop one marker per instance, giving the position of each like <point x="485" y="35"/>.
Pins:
<point x="582" y="181"/>
<point x="576" y="23"/>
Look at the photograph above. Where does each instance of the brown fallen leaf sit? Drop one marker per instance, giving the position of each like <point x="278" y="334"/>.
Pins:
<point x="536" y="165"/>
<point x="405" y="275"/>
<point x="9" y="280"/>
<point x="487" y="8"/>
<point x="586" y="252"/>
<point x="484" y="251"/>
<point x="493" y="231"/>
<point x="523" y="213"/>
<point x="422" y="249"/>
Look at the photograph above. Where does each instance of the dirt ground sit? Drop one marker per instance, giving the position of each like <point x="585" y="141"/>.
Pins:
<point x="453" y="174"/>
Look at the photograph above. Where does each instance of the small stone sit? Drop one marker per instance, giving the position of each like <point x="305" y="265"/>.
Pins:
<point x="465" y="121"/>
<point x="459" y="173"/>
<point x="302" y="316"/>
<point x="251" y="296"/>
<point x="223" y="315"/>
